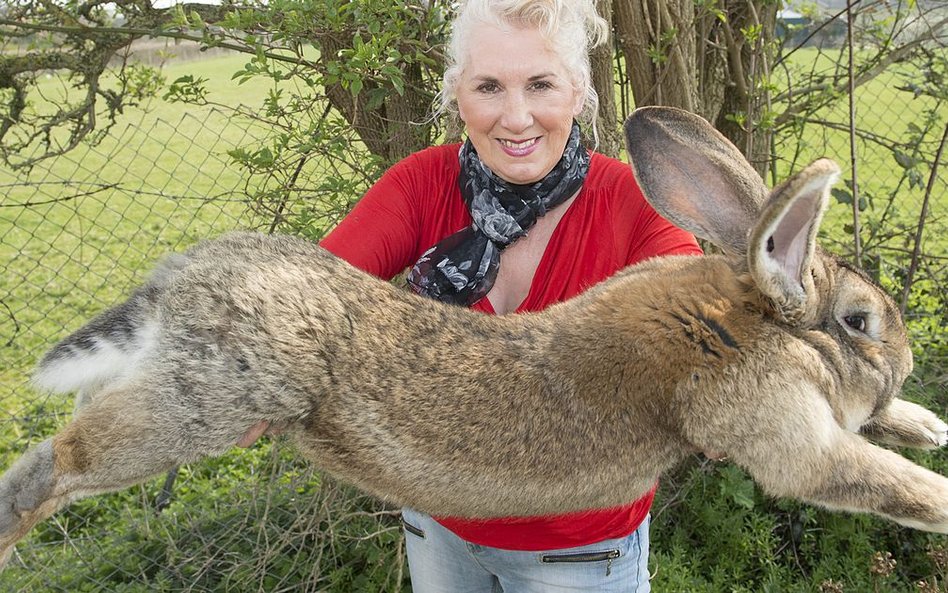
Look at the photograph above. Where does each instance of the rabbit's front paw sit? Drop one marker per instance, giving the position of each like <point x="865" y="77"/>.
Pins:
<point x="932" y="430"/>
<point x="906" y="424"/>
<point x="939" y="432"/>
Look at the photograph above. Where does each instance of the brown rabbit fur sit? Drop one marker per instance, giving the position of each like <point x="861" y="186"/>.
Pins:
<point x="774" y="353"/>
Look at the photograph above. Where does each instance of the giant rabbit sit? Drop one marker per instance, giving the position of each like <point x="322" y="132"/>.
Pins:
<point x="774" y="352"/>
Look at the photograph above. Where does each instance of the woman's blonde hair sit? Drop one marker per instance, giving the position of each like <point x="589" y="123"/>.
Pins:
<point x="571" y="27"/>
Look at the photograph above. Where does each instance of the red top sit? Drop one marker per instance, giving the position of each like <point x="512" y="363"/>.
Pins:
<point x="607" y="227"/>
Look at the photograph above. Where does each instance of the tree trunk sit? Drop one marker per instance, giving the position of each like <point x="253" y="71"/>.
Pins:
<point x="604" y="81"/>
<point x="396" y="128"/>
<point x="657" y="41"/>
<point x="745" y="100"/>
<point x="407" y="116"/>
<point x="709" y="59"/>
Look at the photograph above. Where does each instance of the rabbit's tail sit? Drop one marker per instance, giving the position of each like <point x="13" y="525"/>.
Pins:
<point x="113" y="345"/>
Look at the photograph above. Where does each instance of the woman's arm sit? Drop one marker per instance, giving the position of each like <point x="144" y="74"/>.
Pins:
<point x="381" y="232"/>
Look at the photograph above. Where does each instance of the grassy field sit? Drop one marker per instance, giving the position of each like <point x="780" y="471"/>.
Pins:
<point x="885" y="112"/>
<point x="101" y="215"/>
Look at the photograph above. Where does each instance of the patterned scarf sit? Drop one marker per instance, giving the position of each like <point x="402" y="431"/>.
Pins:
<point x="461" y="268"/>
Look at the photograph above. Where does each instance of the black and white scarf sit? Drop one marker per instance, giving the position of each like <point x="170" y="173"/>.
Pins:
<point x="461" y="268"/>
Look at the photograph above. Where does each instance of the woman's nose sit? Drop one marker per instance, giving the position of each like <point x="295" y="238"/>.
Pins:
<point x="517" y="114"/>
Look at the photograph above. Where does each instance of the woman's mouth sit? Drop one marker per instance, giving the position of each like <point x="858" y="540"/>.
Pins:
<point x="518" y="148"/>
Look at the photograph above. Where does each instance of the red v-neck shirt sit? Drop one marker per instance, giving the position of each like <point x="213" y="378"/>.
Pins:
<point x="607" y="227"/>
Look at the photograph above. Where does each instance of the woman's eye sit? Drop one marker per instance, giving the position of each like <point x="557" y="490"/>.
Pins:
<point x="488" y="87"/>
<point x="541" y="85"/>
<point x="857" y="322"/>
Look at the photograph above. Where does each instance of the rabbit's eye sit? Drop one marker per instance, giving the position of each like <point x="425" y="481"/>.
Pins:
<point x="857" y="322"/>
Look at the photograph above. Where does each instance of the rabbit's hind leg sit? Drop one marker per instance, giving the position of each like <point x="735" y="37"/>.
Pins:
<point x="115" y="441"/>
<point x="25" y="496"/>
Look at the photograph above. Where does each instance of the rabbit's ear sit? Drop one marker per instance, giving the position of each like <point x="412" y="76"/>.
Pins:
<point x="782" y="243"/>
<point x="693" y="176"/>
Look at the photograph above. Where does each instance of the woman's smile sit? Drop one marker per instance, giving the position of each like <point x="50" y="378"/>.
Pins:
<point x="519" y="148"/>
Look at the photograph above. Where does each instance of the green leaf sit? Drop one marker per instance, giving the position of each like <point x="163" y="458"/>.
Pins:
<point x="196" y="21"/>
<point x="904" y="160"/>
<point x="737" y="486"/>
<point x="843" y="196"/>
<point x="399" y="84"/>
<point x="916" y="180"/>
<point x="376" y="98"/>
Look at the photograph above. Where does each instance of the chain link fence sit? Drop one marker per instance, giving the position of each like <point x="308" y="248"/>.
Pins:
<point x="78" y="232"/>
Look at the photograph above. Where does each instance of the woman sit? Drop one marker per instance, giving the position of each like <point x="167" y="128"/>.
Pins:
<point x="519" y="217"/>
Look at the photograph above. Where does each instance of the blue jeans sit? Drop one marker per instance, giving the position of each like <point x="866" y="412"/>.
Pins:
<point x="441" y="562"/>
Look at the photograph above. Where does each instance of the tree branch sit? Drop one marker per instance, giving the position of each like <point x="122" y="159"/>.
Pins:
<point x="922" y="216"/>
<point x="840" y="83"/>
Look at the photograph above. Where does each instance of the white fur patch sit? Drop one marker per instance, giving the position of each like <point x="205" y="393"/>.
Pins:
<point x="90" y="369"/>
<point x="855" y="415"/>
<point x="940" y="433"/>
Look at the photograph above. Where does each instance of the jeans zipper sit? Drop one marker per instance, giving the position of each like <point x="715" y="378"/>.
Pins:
<point x="607" y="555"/>
<point x="412" y="529"/>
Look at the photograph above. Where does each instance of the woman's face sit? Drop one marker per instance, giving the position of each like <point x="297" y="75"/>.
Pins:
<point x="517" y="102"/>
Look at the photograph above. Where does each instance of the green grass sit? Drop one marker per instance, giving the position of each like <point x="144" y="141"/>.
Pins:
<point x="62" y="260"/>
<point x="883" y="110"/>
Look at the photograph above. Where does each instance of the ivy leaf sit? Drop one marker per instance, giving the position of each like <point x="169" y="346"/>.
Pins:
<point x="737" y="486"/>
<point x="398" y="84"/>
<point x="843" y="196"/>
<point x="375" y="99"/>
<point x="904" y="160"/>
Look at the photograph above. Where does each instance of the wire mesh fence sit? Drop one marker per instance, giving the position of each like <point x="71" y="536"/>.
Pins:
<point x="78" y="232"/>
